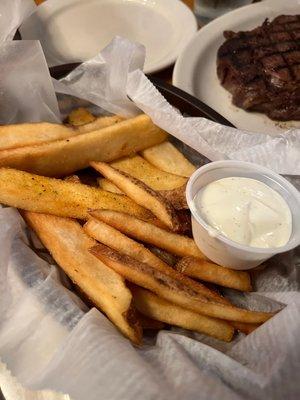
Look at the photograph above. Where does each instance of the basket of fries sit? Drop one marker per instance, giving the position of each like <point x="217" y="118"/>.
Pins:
<point x="101" y="199"/>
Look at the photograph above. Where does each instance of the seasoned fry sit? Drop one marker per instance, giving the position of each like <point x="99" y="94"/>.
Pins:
<point x="244" y="327"/>
<point x="68" y="244"/>
<point x="167" y="158"/>
<point x="171" y="187"/>
<point x="148" y="233"/>
<point x="141" y="169"/>
<point x="63" y="157"/>
<point x="80" y="116"/>
<point x="111" y="237"/>
<point x="171" y="289"/>
<point x="140" y="193"/>
<point x="209" y="272"/>
<point x="20" y="135"/>
<point x="106" y="184"/>
<point x="54" y="196"/>
<point x="155" y="307"/>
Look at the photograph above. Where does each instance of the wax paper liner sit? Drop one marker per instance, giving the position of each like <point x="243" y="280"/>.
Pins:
<point x="111" y="79"/>
<point x="12" y="14"/>
<point x="49" y="341"/>
<point x="26" y="88"/>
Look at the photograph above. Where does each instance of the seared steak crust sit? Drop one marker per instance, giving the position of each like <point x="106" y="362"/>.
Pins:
<point x="261" y="68"/>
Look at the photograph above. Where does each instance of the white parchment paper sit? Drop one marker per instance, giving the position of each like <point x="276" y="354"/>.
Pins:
<point x="26" y="88"/>
<point x="111" y="79"/>
<point x="48" y="342"/>
<point x="48" y="339"/>
<point x="12" y="14"/>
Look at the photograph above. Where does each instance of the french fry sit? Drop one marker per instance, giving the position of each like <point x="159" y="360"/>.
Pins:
<point x="54" y="196"/>
<point x="185" y="222"/>
<point x="176" y="197"/>
<point x="68" y="244"/>
<point x="148" y="233"/>
<point x="209" y="272"/>
<point x="141" y="169"/>
<point x="20" y="135"/>
<point x="106" y="184"/>
<point x="164" y="255"/>
<point x="111" y="237"/>
<point x="171" y="187"/>
<point x="167" y="158"/>
<point x="99" y="123"/>
<point x="155" y="307"/>
<point x="80" y="116"/>
<point x="140" y="193"/>
<point x="244" y="327"/>
<point x="171" y="289"/>
<point x="63" y="157"/>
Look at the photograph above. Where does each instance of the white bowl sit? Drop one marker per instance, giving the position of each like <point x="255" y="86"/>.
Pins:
<point x="219" y="248"/>
<point x="76" y="30"/>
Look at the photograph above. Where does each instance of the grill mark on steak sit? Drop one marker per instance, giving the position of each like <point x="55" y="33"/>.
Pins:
<point x="261" y="67"/>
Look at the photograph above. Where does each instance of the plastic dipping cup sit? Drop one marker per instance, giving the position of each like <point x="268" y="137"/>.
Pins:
<point x="219" y="248"/>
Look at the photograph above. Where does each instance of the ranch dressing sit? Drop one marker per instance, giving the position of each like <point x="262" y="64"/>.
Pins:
<point x="246" y="211"/>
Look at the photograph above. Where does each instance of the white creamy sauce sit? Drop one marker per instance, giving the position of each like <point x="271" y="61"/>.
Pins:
<point x="246" y="211"/>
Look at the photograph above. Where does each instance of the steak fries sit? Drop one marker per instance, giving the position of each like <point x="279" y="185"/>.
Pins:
<point x="140" y="193"/>
<point x="155" y="307"/>
<point x="209" y="272"/>
<point x="171" y="289"/>
<point x="63" y="157"/>
<point x="62" y="198"/>
<point x="174" y="243"/>
<point x="69" y="246"/>
<point x="111" y="237"/>
<point x="167" y="158"/>
<point x="133" y="222"/>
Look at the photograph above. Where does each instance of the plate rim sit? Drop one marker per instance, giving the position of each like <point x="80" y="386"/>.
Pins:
<point x="186" y="14"/>
<point x="178" y="77"/>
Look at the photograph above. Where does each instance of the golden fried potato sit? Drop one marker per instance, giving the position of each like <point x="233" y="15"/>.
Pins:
<point x="69" y="246"/>
<point x="64" y="157"/>
<point x="80" y="116"/>
<point x="58" y="197"/>
<point x="111" y="237"/>
<point x="209" y="272"/>
<point x="155" y="307"/>
<point x="171" y="289"/>
<point x="146" y="232"/>
<point x="140" y="193"/>
<point x="167" y="158"/>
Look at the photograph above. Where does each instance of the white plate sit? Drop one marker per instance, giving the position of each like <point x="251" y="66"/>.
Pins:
<point x="195" y="69"/>
<point x="76" y="30"/>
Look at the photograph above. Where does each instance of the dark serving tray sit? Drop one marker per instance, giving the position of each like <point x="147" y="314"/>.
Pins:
<point x="186" y="103"/>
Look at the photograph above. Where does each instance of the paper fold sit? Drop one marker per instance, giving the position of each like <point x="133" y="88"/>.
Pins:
<point x="113" y="77"/>
<point x="27" y="93"/>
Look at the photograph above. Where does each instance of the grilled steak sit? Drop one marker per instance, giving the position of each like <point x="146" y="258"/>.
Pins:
<point x="261" y="68"/>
